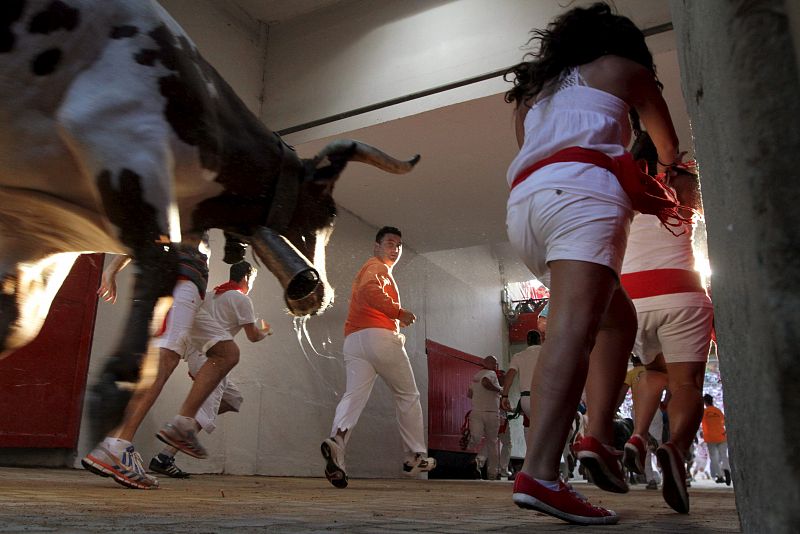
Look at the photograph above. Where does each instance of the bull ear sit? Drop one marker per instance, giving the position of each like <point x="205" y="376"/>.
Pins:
<point x="336" y="162"/>
<point x="234" y="249"/>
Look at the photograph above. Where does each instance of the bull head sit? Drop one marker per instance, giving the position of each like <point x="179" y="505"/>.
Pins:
<point x="292" y="246"/>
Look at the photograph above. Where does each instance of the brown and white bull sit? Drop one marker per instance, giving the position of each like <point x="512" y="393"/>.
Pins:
<point x="117" y="136"/>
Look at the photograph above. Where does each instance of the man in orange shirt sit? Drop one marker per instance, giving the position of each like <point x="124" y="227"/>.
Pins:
<point x="716" y="440"/>
<point x="374" y="346"/>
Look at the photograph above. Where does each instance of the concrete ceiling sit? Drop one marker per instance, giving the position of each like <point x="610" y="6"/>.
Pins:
<point x="276" y="11"/>
<point x="456" y="196"/>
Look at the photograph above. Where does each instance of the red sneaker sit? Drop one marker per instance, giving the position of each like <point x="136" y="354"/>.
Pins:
<point x="603" y="465"/>
<point x="674" y="484"/>
<point x="635" y="453"/>
<point x="563" y="503"/>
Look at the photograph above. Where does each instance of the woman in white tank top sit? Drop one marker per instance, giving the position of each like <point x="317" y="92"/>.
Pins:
<point x="569" y="221"/>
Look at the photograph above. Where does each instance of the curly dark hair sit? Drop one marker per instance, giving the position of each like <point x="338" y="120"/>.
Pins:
<point x="577" y="37"/>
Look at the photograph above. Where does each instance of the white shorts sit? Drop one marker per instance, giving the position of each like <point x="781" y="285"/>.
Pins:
<point x="681" y="334"/>
<point x="185" y="302"/>
<point x="206" y="331"/>
<point x="552" y="224"/>
<point x="226" y="391"/>
<point x="189" y="324"/>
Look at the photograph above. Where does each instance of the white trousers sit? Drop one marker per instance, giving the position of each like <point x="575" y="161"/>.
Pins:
<point x="374" y="352"/>
<point x="505" y="449"/>
<point x="486" y="424"/>
<point x="718" y="458"/>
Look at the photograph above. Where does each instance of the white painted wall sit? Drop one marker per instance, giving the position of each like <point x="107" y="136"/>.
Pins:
<point x="291" y="389"/>
<point x="225" y="38"/>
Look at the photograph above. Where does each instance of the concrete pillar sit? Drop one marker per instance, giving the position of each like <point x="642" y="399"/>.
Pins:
<point x="740" y="81"/>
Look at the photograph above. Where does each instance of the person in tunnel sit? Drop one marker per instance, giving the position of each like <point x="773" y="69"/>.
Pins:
<point x="576" y="98"/>
<point x="374" y="346"/>
<point x="675" y="318"/>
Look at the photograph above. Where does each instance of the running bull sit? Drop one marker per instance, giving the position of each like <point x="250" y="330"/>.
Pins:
<point x="117" y="136"/>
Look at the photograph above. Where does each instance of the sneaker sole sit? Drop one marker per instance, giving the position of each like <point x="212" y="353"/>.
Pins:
<point x="102" y="469"/>
<point x="333" y="472"/>
<point x="672" y="489"/>
<point x="416" y="470"/>
<point x="632" y="460"/>
<point x="601" y="476"/>
<point x="523" y="500"/>
<point x="182" y="446"/>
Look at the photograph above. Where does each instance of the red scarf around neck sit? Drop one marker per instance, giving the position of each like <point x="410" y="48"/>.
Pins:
<point x="230" y="285"/>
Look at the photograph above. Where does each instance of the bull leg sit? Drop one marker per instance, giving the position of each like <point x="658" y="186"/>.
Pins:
<point x="109" y="396"/>
<point x="122" y="144"/>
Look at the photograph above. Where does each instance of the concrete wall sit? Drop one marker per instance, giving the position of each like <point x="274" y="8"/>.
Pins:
<point x="740" y="79"/>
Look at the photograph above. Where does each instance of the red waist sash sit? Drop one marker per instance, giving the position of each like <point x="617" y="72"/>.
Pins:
<point x="647" y="194"/>
<point x="657" y="282"/>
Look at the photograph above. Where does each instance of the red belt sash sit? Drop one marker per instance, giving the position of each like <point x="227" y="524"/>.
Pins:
<point x="657" y="282"/>
<point x="573" y="154"/>
<point x="647" y="194"/>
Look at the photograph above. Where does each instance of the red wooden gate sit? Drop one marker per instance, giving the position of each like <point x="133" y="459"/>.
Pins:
<point x="449" y="375"/>
<point x="42" y="384"/>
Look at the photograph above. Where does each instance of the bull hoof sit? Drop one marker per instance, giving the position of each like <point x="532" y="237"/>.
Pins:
<point x="107" y="403"/>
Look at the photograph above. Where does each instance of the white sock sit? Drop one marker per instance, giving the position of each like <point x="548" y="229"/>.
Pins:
<point x="183" y="422"/>
<point x="116" y="445"/>
<point x="552" y="485"/>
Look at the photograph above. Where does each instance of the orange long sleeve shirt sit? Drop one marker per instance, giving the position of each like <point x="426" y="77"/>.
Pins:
<point x="713" y="425"/>
<point x="374" y="300"/>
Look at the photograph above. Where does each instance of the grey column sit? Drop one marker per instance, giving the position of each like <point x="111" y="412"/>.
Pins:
<point x="740" y="80"/>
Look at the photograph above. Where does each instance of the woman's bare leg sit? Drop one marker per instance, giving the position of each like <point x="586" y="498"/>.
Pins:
<point x="685" y="408"/>
<point x="580" y="295"/>
<point x="607" y="364"/>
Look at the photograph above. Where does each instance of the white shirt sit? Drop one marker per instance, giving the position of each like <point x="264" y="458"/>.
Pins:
<point x="232" y="310"/>
<point x="485" y="400"/>
<point x="524" y="362"/>
<point x="574" y="115"/>
<point x="651" y="246"/>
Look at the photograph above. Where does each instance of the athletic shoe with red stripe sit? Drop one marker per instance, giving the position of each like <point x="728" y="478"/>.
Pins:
<point x="674" y="484"/>
<point x="635" y="453"/>
<point x="126" y="469"/>
<point x="564" y="503"/>
<point x="603" y="465"/>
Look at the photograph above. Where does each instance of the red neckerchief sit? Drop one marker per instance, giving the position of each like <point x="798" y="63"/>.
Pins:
<point x="230" y="285"/>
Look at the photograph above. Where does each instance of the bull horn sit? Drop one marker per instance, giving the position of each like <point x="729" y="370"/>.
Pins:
<point x="357" y="151"/>
<point x="300" y="280"/>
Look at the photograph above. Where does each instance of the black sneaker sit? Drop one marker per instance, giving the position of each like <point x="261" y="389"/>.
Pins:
<point x="166" y="466"/>
<point x="727" y="477"/>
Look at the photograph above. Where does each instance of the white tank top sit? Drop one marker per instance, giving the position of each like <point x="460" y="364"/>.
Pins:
<point x="651" y="246"/>
<point x="573" y="115"/>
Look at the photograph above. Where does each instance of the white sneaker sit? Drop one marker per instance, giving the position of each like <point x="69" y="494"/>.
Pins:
<point x="419" y="464"/>
<point x="125" y="468"/>
<point x="333" y="452"/>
